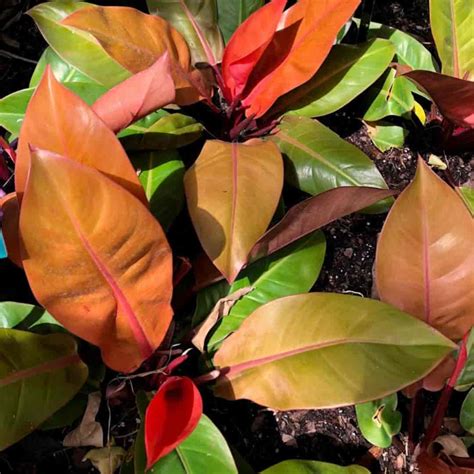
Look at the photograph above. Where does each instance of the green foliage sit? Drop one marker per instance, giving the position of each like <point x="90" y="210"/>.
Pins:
<point x="379" y="420"/>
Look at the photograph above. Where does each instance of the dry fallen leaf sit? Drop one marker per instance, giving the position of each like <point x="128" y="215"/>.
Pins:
<point x="89" y="432"/>
<point x="106" y="460"/>
<point x="450" y="445"/>
<point x="221" y="308"/>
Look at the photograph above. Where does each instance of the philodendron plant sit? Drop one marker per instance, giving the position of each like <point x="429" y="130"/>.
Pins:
<point x="91" y="233"/>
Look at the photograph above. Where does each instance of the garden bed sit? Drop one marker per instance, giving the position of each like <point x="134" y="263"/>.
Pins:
<point x="261" y="436"/>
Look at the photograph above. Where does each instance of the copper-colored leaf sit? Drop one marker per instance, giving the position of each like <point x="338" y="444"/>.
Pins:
<point x="454" y="97"/>
<point x="10" y="209"/>
<point x="136" y="40"/>
<point x="314" y="213"/>
<point x="304" y="38"/>
<point x="171" y="417"/>
<point x="137" y="96"/>
<point x="232" y="192"/>
<point x="247" y="45"/>
<point x="320" y="350"/>
<point x="96" y="259"/>
<point x="425" y="259"/>
<point x="59" y="121"/>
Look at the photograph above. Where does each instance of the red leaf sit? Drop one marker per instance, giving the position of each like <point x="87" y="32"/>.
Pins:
<point x="314" y="213"/>
<point x="171" y="417"/>
<point x="248" y="44"/>
<point x="454" y="97"/>
<point x="137" y="96"/>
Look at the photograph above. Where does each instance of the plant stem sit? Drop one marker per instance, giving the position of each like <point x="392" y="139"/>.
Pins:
<point x="365" y="19"/>
<point x="417" y="413"/>
<point x="438" y="416"/>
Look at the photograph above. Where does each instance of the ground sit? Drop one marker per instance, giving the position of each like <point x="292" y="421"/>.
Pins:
<point x="261" y="436"/>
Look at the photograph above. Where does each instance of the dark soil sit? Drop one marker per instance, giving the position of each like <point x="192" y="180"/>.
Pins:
<point x="261" y="436"/>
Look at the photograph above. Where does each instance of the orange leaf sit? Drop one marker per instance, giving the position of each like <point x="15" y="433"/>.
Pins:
<point x="137" y="96"/>
<point x="96" y="259"/>
<point x="232" y="192"/>
<point x="136" y="40"/>
<point x="59" y="121"/>
<point x="9" y="207"/>
<point x="304" y="38"/>
<point x="425" y="260"/>
<point x="247" y="45"/>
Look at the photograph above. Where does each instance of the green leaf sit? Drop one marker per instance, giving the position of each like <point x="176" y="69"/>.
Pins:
<point x="409" y="51"/>
<point x="323" y="350"/>
<point x="196" y="20"/>
<point x="451" y="23"/>
<point x="161" y="132"/>
<point x="78" y="48"/>
<point x="204" y="451"/>
<point x="347" y="71"/>
<point x="38" y="375"/>
<point x="62" y="71"/>
<point x="379" y="420"/>
<point x="207" y="298"/>
<point x="232" y="13"/>
<point x="467" y="194"/>
<point x="161" y="174"/>
<point x="466" y="379"/>
<point x="13" y="106"/>
<point x="390" y="95"/>
<point x="293" y="269"/>
<point x="317" y="159"/>
<point x="466" y="417"/>
<point x="312" y="467"/>
<point x="25" y="316"/>
<point x="386" y="135"/>
<point x="68" y="414"/>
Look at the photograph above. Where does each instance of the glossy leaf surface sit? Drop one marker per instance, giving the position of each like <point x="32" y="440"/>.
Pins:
<point x="409" y="51"/>
<point x="171" y="417"/>
<point x="304" y="38"/>
<point x="390" y="95"/>
<point x="386" y="135"/>
<point x="137" y="96"/>
<point x="317" y="159"/>
<point x="161" y="174"/>
<point x="24" y="316"/>
<point x="231" y="14"/>
<point x="136" y="40"/>
<point x="379" y="420"/>
<point x="329" y="341"/>
<point x="204" y="450"/>
<point x="77" y="48"/>
<point x="314" y="213"/>
<point x="312" y="467"/>
<point x="458" y="105"/>
<point x="96" y="259"/>
<point x="231" y="200"/>
<point x="197" y="22"/>
<point x="247" y="45"/>
<point x="161" y="133"/>
<point x="451" y="23"/>
<point x="290" y="271"/>
<point x="427" y="242"/>
<point x="62" y="70"/>
<point x="13" y="107"/>
<point x="347" y="71"/>
<point x="38" y="375"/>
<point x="82" y="136"/>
